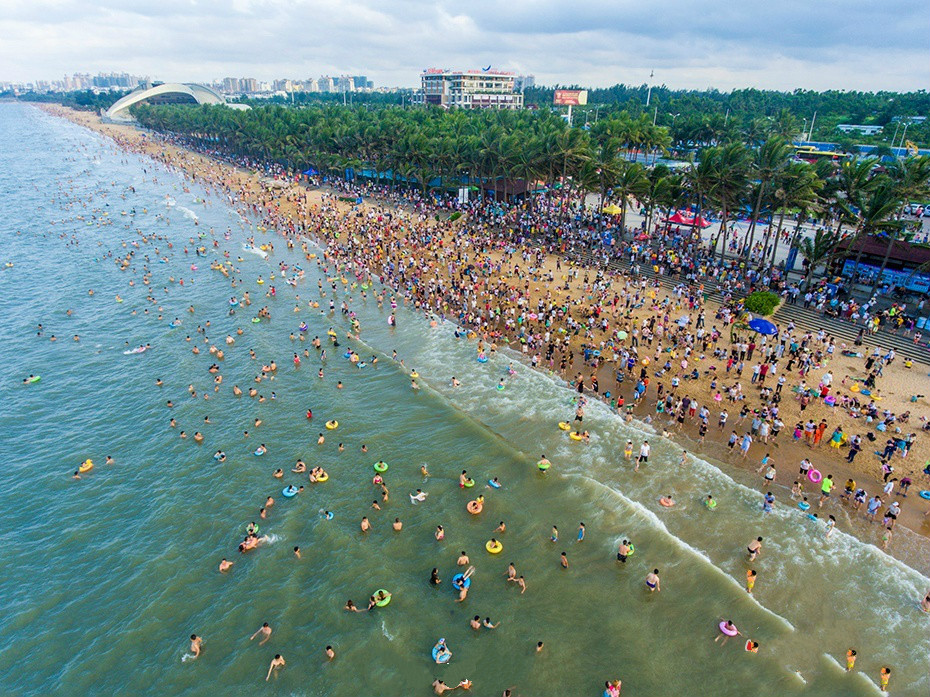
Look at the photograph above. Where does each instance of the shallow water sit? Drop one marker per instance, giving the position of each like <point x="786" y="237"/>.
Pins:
<point x="104" y="578"/>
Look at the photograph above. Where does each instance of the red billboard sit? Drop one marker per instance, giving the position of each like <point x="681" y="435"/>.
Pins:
<point x="570" y="97"/>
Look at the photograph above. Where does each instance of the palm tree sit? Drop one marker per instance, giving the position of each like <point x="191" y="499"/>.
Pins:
<point x="630" y="181"/>
<point x="730" y="165"/>
<point x="910" y="179"/>
<point x="767" y="163"/>
<point x="798" y="187"/>
<point x="816" y="250"/>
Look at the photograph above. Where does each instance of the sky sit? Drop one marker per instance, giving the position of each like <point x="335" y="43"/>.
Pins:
<point x="727" y="44"/>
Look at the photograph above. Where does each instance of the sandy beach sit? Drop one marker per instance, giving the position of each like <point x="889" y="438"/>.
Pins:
<point x="573" y="287"/>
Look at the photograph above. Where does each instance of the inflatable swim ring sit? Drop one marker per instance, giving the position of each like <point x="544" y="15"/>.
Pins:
<point x="924" y="495"/>
<point x="575" y="436"/>
<point x="482" y="358"/>
<point x="414" y="374"/>
<point x="815" y="476"/>
<point x="729" y="632"/>
<point x="323" y="478"/>
<point x="258" y="452"/>
<point x="289" y="491"/>
<point x="256" y="320"/>
<point x="33" y="379"/>
<point x="331" y="425"/>
<point x="86" y="466"/>
<point x="803" y="505"/>
<point x="381" y="466"/>
<point x="564" y="425"/>
<point x="474" y="507"/>
<point x="443" y="658"/>
<point x="469" y="483"/>
<point x="387" y="598"/>
<point x="458" y="577"/>
<point x="543" y="465"/>
<point x="497" y="485"/>
<point x="494" y="547"/>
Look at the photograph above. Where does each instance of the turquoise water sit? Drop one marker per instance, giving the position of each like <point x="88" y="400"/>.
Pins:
<point x="105" y="577"/>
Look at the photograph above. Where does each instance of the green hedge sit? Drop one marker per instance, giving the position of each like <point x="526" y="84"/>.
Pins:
<point x="761" y="303"/>
<point x="455" y="216"/>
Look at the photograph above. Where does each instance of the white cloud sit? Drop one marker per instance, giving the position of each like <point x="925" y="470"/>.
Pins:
<point x="690" y="43"/>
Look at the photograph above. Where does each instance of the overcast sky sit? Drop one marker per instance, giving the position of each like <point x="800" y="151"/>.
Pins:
<point x="778" y="44"/>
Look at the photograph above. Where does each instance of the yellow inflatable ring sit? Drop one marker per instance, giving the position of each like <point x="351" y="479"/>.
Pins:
<point x="414" y="374"/>
<point x="564" y="425"/>
<point x="494" y="547"/>
<point x="332" y="425"/>
<point x="323" y="477"/>
<point x="474" y="507"/>
<point x="575" y="436"/>
<point x="86" y="466"/>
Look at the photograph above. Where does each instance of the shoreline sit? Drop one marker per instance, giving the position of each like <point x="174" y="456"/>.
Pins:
<point x="786" y="453"/>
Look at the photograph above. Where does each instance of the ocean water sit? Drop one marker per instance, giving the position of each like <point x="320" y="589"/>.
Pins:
<point x="105" y="577"/>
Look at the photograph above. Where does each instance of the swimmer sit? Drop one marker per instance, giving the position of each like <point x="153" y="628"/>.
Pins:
<point x="502" y="527"/>
<point x="440" y="533"/>
<point x="278" y="473"/>
<point x="196" y="644"/>
<point x="365" y="525"/>
<point x="652" y="581"/>
<point x="667" y="501"/>
<point x="623" y="552"/>
<point x="455" y="383"/>
<point x="463" y="559"/>
<point x="424" y="471"/>
<point x="276" y="662"/>
<point x="750" y="580"/>
<point x="434" y="579"/>
<point x="397" y="525"/>
<point x="850" y="660"/>
<point x="418" y="497"/>
<point x="297" y="552"/>
<point x="265" y="631"/>
<point x="350" y="607"/>
<point x="440" y="688"/>
<point x="511" y="572"/>
<point x="727" y="630"/>
<point x="225" y="565"/>
<point x="330" y="654"/>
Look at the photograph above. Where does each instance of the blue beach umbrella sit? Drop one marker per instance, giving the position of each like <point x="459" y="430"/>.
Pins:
<point x="763" y="326"/>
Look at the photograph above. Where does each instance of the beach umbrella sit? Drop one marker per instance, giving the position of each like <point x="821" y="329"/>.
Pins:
<point x="763" y="326"/>
<point x="612" y="209"/>
<point x="622" y="335"/>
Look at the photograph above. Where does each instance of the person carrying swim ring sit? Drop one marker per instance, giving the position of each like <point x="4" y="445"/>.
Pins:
<point x="475" y="507"/>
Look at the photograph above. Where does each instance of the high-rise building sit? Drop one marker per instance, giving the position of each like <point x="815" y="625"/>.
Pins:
<point x="468" y="89"/>
<point x="326" y="84"/>
<point x="524" y="82"/>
